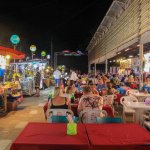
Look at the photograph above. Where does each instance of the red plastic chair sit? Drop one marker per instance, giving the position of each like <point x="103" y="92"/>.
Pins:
<point x="133" y="86"/>
<point x="109" y="110"/>
<point x="117" y="99"/>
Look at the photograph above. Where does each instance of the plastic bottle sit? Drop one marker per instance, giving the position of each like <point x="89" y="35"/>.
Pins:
<point x="72" y="98"/>
<point x="50" y="96"/>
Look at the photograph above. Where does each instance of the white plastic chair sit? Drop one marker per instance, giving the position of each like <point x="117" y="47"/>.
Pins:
<point x="58" y="112"/>
<point x="127" y="110"/>
<point x="108" y="100"/>
<point x="131" y="92"/>
<point x="89" y="116"/>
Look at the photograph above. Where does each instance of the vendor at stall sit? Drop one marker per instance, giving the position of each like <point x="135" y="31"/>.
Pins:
<point x="17" y="83"/>
<point x="37" y="82"/>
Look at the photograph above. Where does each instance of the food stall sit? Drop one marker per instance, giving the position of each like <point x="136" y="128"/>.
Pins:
<point x="28" y="70"/>
<point x="8" y="92"/>
<point x="125" y="67"/>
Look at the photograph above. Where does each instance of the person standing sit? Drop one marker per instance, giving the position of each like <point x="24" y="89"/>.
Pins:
<point x="37" y="82"/>
<point x="73" y="76"/>
<point x="57" y="76"/>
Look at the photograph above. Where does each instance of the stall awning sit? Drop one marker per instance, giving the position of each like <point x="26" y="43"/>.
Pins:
<point x="15" y="54"/>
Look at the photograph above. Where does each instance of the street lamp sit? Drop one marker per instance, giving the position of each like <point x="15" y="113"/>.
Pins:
<point x="15" y="39"/>
<point x="33" y="50"/>
<point x="48" y="57"/>
<point x="55" y="58"/>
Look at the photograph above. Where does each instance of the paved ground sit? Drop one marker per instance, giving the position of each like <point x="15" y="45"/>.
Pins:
<point x="30" y="110"/>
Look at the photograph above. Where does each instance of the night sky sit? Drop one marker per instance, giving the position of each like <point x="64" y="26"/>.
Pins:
<point x="70" y="23"/>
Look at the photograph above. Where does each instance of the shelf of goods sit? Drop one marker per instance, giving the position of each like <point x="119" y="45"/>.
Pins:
<point x="3" y="101"/>
<point x="27" y="86"/>
<point x="9" y="96"/>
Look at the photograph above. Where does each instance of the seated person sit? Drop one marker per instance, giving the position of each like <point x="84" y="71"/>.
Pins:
<point x="137" y="80"/>
<point x="110" y="89"/>
<point x="146" y="85"/>
<point x="101" y="85"/>
<point x="89" y="101"/>
<point x="70" y="89"/>
<point x="126" y="81"/>
<point x="78" y="85"/>
<point x="84" y="79"/>
<point x="59" y="101"/>
<point x="105" y="79"/>
<point x="116" y="81"/>
<point x="93" y="88"/>
<point x="131" y="79"/>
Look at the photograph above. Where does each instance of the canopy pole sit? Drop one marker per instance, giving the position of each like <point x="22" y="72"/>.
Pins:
<point x="89" y="68"/>
<point x="141" y="48"/>
<point x="106" y="66"/>
<point x="15" y="60"/>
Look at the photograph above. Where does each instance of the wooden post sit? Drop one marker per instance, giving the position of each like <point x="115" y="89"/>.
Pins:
<point x="141" y="65"/>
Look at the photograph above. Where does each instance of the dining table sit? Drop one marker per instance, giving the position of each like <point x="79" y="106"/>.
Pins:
<point x="46" y="136"/>
<point x="118" y="137"/>
<point x="141" y="96"/>
<point x="139" y="108"/>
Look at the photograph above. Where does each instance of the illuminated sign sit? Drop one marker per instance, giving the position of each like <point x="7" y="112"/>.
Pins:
<point x="32" y="48"/>
<point x="14" y="39"/>
<point x="43" y="53"/>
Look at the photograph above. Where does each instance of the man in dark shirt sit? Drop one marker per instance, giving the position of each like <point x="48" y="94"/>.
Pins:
<point x="37" y="82"/>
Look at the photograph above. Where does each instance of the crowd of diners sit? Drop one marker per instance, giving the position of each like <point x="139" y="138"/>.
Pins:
<point x="93" y="89"/>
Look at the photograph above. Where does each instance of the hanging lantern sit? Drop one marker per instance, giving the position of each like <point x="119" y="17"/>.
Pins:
<point x="33" y="48"/>
<point x="43" y="53"/>
<point x="15" y="39"/>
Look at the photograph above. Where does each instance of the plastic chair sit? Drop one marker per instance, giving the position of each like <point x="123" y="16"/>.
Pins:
<point x="89" y="116"/>
<point x="108" y="100"/>
<point x="108" y="120"/>
<point x="58" y="115"/>
<point x="131" y="92"/>
<point x="127" y="110"/>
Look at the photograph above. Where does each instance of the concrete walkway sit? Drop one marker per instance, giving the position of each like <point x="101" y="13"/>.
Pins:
<point x="30" y="110"/>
